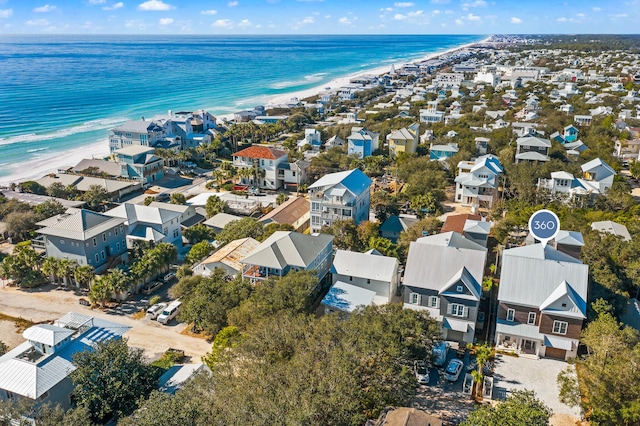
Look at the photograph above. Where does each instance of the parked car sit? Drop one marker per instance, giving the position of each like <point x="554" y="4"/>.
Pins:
<point x="168" y="277"/>
<point x="162" y="197"/>
<point x="422" y="372"/>
<point x="151" y="287"/>
<point x="170" y="312"/>
<point x="439" y="353"/>
<point x="453" y="370"/>
<point x="155" y="310"/>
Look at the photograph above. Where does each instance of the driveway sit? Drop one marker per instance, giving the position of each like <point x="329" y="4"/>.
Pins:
<point x="47" y="304"/>
<point x="516" y="373"/>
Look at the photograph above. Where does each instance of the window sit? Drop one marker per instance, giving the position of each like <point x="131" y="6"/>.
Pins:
<point x="95" y="242"/>
<point x="97" y="258"/>
<point x="115" y="230"/>
<point x="458" y="310"/>
<point x="315" y="207"/>
<point x="511" y="313"/>
<point x="62" y="241"/>
<point x="104" y="237"/>
<point x="414" y="298"/>
<point x="532" y="318"/>
<point x="480" y="316"/>
<point x="350" y="278"/>
<point x="368" y="281"/>
<point x="118" y="246"/>
<point x="459" y="289"/>
<point x="102" y="254"/>
<point x="434" y="301"/>
<point x="560" y="327"/>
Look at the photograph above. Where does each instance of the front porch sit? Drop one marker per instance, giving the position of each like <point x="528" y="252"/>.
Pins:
<point x="521" y="346"/>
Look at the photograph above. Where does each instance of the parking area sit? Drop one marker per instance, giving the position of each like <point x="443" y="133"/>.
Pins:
<point x="517" y="373"/>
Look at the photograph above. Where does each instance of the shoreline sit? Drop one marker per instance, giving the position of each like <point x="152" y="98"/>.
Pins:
<point x="39" y="167"/>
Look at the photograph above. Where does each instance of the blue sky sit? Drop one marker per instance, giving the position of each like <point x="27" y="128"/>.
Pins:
<point x="318" y="16"/>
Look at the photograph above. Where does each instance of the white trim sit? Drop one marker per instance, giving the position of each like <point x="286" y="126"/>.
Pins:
<point x="560" y="325"/>
<point x="511" y="314"/>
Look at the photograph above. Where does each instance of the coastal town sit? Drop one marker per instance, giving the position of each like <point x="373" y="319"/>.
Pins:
<point x="360" y="255"/>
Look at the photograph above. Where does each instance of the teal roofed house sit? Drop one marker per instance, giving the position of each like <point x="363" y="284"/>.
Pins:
<point x="442" y="152"/>
<point x="139" y="163"/>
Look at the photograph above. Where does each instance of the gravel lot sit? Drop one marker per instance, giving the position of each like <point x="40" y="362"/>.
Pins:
<point x="48" y="303"/>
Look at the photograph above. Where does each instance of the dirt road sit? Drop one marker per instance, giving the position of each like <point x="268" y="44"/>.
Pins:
<point x="48" y="304"/>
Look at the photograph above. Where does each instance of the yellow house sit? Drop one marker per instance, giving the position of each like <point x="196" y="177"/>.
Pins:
<point x="403" y="140"/>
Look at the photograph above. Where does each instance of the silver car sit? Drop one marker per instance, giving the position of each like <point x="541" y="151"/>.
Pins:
<point x="422" y="372"/>
<point x="154" y="311"/>
<point x="453" y="370"/>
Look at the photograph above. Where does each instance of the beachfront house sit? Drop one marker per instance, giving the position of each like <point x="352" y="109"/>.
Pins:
<point x="358" y="275"/>
<point x="404" y="140"/>
<point x="286" y="251"/>
<point x="541" y="302"/>
<point x="135" y="132"/>
<point x="84" y="236"/>
<point x="443" y="276"/>
<point x="146" y="223"/>
<point x="339" y="196"/>
<point x="362" y="142"/>
<point x="532" y="149"/>
<point x="139" y="163"/>
<point x="262" y="162"/>
<point x="38" y="370"/>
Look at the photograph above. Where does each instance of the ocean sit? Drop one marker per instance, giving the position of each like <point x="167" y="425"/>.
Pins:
<point x="60" y="94"/>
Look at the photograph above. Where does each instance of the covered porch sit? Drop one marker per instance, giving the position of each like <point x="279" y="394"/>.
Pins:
<point x="522" y="339"/>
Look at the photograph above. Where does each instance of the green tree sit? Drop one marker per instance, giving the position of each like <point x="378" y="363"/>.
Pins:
<point x="521" y="408"/>
<point x="198" y="233"/>
<point x="32" y="187"/>
<point x="20" y="225"/>
<point x="57" y="190"/>
<point x="198" y="252"/>
<point x="215" y="205"/>
<point x="178" y="198"/>
<point x="49" y="209"/>
<point x="346" y="235"/>
<point x="247" y="227"/>
<point x="3" y="348"/>
<point x="84" y="275"/>
<point x="281" y="198"/>
<point x="111" y="379"/>
<point x="95" y="196"/>
<point x="148" y="200"/>
<point x="225" y="340"/>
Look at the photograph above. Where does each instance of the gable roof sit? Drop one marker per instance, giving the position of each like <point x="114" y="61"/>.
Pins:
<point x="362" y="265"/>
<point x="47" y="334"/>
<point x="138" y="126"/>
<point x="451" y="239"/>
<point x="109" y="167"/>
<point x="232" y="253"/>
<point x="457" y="222"/>
<point x="78" y="224"/>
<point x="477" y="227"/>
<point x="288" y="212"/>
<point x="534" y="141"/>
<point x="262" y="152"/>
<point x="288" y="248"/>
<point x="134" y="213"/>
<point x="569" y="238"/>
<point x="134" y="150"/>
<point x="347" y="297"/>
<point x="397" y="224"/>
<point x="354" y="180"/>
<point x="597" y="162"/>
<point x="614" y="228"/>
<point x="563" y="290"/>
<point x="530" y="274"/>
<point x="463" y="276"/>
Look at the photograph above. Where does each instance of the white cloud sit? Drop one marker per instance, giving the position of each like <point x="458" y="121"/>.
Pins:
<point x="439" y="1"/>
<point x="208" y="12"/>
<point x="114" y="6"/>
<point x="345" y="21"/>
<point x="436" y="12"/>
<point x="137" y="24"/>
<point x="6" y="13"/>
<point x="459" y="22"/>
<point x="223" y="23"/>
<point x="38" y="23"/>
<point x="386" y="9"/>
<point x="580" y="15"/>
<point x="244" y="23"/>
<point x="399" y="17"/>
<point x="327" y="16"/>
<point x="620" y="15"/>
<point x="154" y="6"/>
<point x="165" y="21"/>
<point x="477" y="3"/>
<point x="472" y="17"/>
<point x="515" y="20"/>
<point x="233" y="4"/>
<point x="562" y="19"/>
<point x="449" y="12"/>
<point x="596" y="9"/>
<point x="44" y="9"/>
<point x="97" y="1"/>
<point x="403" y="4"/>
<point x="306" y="21"/>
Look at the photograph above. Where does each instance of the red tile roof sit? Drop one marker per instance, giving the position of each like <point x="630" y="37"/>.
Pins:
<point x="257" y="151"/>
<point x="456" y="222"/>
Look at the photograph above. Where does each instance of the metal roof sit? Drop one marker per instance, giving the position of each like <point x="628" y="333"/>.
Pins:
<point x="135" y="213"/>
<point x="530" y="274"/>
<point x="47" y="334"/>
<point x="78" y="224"/>
<point x="132" y="150"/>
<point x="220" y="220"/>
<point x="354" y="180"/>
<point x="232" y="253"/>
<point x="346" y="297"/>
<point x="614" y="228"/>
<point x="569" y="238"/>
<point x="518" y="329"/>
<point x="533" y="156"/>
<point x="534" y="141"/>
<point x="560" y="296"/>
<point x="288" y="248"/>
<point x="361" y="265"/>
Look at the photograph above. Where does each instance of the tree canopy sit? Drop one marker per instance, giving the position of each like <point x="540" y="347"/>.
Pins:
<point x="521" y="408"/>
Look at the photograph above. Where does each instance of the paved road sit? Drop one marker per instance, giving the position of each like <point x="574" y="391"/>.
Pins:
<point x="50" y="304"/>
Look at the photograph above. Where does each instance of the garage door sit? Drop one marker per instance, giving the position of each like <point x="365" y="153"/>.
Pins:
<point x="555" y="353"/>
<point x="455" y="336"/>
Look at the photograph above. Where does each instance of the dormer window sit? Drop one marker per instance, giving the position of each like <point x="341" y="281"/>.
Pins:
<point x="564" y="305"/>
<point x="459" y="289"/>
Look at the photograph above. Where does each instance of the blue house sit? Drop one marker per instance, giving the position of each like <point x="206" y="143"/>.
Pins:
<point x="139" y="163"/>
<point x="442" y="152"/>
<point x="362" y="142"/>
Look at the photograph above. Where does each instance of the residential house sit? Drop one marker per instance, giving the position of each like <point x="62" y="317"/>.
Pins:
<point x="188" y="215"/>
<point x="178" y="375"/>
<point x="334" y="141"/>
<point x="442" y="152"/>
<point x="352" y="271"/>
<point x="148" y="223"/>
<point x="444" y="277"/>
<point x="569" y="134"/>
<point x="339" y="196"/>
<point x="85" y="236"/>
<point x="362" y="142"/>
<point x="286" y="251"/>
<point x="135" y="132"/>
<point x="218" y="221"/>
<point x="582" y="120"/>
<point x="574" y="149"/>
<point x="191" y="129"/>
<point x="115" y="189"/>
<point x="312" y="137"/>
<point x="598" y="174"/>
<point x="612" y="228"/>
<point x="227" y="258"/>
<point x="294" y="174"/>
<point x="139" y="163"/>
<point x="568" y="242"/>
<point x="295" y="212"/>
<point x="404" y="140"/>
<point x="532" y="149"/>
<point x="477" y="181"/>
<point x="541" y="302"/>
<point x="431" y="113"/>
<point x="394" y="226"/>
<point x="456" y="222"/>
<point x="38" y="370"/>
<point x="101" y="168"/>
<point x="477" y="231"/>
<point x="481" y="145"/>
<point x="264" y="161"/>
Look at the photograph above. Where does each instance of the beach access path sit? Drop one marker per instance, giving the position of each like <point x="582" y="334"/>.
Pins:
<point x="48" y="304"/>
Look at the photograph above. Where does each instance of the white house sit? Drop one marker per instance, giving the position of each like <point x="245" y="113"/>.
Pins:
<point x="477" y="181"/>
<point x="362" y="142"/>
<point x="149" y="223"/>
<point x="264" y="162"/>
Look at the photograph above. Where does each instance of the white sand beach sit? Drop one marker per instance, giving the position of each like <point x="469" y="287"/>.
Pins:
<point x="49" y="164"/>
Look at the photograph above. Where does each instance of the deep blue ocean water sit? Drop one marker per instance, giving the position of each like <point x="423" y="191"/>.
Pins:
<point x="60" y="93"/>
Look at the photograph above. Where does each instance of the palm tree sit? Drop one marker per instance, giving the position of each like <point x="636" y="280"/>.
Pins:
<point x="66" y="269"/>
<point x="50" y="268"/>
<point x="84" y="275"/>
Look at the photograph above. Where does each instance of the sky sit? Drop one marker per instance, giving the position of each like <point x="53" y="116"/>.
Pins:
<point x="318" y="17"/>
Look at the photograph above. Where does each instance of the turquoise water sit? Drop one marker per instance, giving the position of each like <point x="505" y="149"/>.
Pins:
<point x="61" y="93"/>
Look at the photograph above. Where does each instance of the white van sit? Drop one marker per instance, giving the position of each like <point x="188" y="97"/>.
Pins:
<point x="170" y="312"/>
